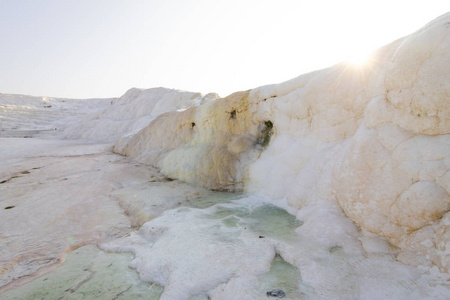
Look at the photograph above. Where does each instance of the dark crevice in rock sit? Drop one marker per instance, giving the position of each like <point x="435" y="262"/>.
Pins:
<point x="266" y="133"/>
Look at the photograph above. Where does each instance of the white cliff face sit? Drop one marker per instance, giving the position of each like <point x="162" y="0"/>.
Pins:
<point x="208" y="145"/>
<point x="133" y="111"/>
<point x="369" y="142"/>
<point x="375" y="140"/>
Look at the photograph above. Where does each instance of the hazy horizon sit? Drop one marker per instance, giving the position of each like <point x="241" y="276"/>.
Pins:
<point x="99" y="49"/>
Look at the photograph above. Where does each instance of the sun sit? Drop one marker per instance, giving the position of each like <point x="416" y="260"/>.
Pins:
<point x="359" y="58"/>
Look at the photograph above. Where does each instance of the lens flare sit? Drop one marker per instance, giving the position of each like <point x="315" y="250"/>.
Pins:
<point x="359" y="59"/>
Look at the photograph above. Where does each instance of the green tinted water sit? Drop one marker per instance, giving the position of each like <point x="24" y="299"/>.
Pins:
<point x="91" y="273"/>
<point x="88" y="273"/>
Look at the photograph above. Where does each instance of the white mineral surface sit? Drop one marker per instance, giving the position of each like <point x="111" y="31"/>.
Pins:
<point x="333" y="185"/>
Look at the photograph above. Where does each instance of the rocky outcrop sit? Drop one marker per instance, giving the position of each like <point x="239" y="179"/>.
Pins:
<point x="209" y="145"/>
<point x="373" y="139"/>
<point x="133" y="111"/>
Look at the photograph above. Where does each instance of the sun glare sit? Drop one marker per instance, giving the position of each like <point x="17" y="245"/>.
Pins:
<point x="359" y="59"/>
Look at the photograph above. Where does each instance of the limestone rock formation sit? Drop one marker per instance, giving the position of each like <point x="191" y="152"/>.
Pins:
<point x="133" y="111"/>
<point x="207" y="145"/>
<point x="373" y="139"/>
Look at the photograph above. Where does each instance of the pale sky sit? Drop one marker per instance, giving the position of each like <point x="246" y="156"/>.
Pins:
<point x="101" y="48"/>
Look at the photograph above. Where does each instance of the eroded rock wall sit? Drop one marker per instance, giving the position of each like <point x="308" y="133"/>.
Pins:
<point x="207" y="145"/>
<point x="373" y="141"/>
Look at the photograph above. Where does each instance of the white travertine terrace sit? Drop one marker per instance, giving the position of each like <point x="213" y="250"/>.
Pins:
<point x="374" y="139"/>
<point x="360" y="155"/>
